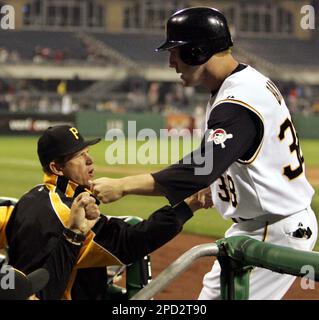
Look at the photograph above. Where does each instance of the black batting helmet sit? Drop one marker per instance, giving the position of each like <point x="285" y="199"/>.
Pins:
<point x="200" y="32"/>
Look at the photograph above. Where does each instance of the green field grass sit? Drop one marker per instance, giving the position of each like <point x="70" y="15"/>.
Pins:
<point x="20" y="171"/>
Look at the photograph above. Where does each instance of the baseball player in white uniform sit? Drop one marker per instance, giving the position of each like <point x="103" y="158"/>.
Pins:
<point x="252" y="157"/>
<point x="267" y="195"/>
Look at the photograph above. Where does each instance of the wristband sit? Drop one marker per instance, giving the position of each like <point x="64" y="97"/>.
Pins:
<point x="73" y="237"/>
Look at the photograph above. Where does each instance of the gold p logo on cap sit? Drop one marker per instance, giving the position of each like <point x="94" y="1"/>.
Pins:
<point x="75" y="132"/>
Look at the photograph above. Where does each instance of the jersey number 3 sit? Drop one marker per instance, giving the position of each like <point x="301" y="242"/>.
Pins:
<point x="294" y="147"/>
<point x="228" y="188"/>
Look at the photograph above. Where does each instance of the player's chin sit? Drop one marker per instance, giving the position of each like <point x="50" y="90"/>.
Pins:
<point x="187" y="82"/>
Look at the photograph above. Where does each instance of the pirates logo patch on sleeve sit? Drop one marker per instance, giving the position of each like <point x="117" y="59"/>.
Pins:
<point x="219" y="136"/>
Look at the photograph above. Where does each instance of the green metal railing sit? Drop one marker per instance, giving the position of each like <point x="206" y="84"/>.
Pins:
<point x="139" y="273"/>
<point x="237" y="257"/>
<point x="176" y="268"/>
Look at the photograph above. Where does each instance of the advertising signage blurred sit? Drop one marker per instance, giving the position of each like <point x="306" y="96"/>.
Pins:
<point x="32" y="124"/>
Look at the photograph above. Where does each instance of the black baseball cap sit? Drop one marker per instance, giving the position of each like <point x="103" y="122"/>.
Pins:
<point x="60" y="141"/>
<point x="21" y="286"/>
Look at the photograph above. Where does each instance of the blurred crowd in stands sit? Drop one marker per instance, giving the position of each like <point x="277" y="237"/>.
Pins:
<point x="43" y="55"/>
<point x="300" y="99"/>
<point x="58" y="56"/>
<point x="135" y="96"/>
<point x="6" y="55"/>
<point x="131" y="95"/>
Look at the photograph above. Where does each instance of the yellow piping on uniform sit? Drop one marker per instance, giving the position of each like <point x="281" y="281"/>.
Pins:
<point x="234" y="101"/>
<point x="265" y="232"/>
<point x="5" y="214"/>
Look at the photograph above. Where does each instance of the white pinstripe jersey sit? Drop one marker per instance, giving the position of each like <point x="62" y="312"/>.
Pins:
<point x="273" y="180"/>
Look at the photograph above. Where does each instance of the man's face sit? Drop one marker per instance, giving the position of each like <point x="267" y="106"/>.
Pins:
<point x="79" y="168"/>
<point x="190" y="75"/>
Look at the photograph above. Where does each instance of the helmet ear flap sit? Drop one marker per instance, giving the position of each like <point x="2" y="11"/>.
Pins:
<point x="195" y="55"/>
<point x="196" y="51"/>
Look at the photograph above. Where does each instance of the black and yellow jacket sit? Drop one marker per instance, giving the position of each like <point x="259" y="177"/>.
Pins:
<point x="34" y="235"/>
<point x="6" y="209"/>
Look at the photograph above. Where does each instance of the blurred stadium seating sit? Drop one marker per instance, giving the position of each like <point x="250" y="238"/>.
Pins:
<point x="136" y="46"/>
<point x="26" y="43"/>
<point x="283" y="52"/>
<point x="54" y="70"/>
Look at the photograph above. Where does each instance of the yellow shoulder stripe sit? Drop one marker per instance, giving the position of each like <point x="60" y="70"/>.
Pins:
<point x="246" y="105"/>
<point x="5" y="214"/>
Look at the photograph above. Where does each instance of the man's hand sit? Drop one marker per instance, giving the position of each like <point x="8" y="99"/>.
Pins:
<point x="200" y="200"/>
<point x="84" y="214"/>
<point x="107" y="189"/>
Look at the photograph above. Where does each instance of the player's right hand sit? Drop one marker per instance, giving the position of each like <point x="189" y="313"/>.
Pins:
<point x="107" y="189"/>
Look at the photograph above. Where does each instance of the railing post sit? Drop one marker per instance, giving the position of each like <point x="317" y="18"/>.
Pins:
<point x="234" y="277"/>
<point x="139" y="273"/>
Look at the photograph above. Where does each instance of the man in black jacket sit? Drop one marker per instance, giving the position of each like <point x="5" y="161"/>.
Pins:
<point x="40" y="232"/>
<point x="84" y="213"/>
